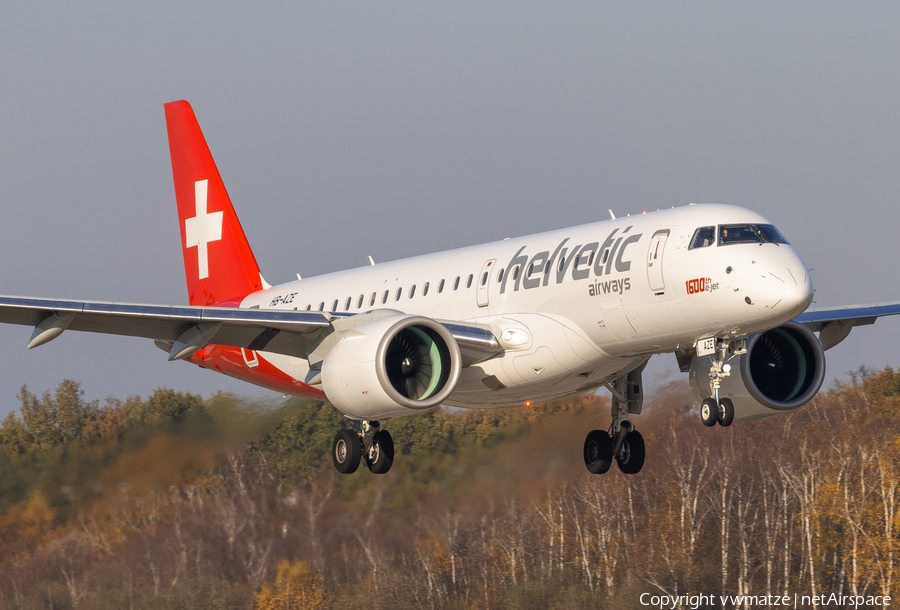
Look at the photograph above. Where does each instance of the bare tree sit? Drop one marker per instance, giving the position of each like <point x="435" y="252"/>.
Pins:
<point x="804" y="483"/>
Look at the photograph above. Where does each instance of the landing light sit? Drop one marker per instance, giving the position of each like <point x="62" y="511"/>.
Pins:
<point x="514" y="336"/>
<point x="527" y="403"/>
<point x="726" y="368"/>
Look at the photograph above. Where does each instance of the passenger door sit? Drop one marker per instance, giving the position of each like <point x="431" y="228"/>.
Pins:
<point x="655" y="262"/>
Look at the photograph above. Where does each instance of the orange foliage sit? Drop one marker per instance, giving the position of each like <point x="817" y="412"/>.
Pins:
<point x="28" y="525"/>
<point x="434" y="553"/>
<point x="296" y="587"/>
<point x="164" y="461"/>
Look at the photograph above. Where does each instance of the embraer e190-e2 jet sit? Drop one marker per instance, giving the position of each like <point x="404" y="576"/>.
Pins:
<point x="533" y="318"/>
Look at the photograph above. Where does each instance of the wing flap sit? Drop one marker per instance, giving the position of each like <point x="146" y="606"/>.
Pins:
<point x="284" y="332"/>
<point x="292" y="333"/>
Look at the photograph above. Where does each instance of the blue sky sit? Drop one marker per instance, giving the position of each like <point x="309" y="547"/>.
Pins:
<point x="391" y="129"/>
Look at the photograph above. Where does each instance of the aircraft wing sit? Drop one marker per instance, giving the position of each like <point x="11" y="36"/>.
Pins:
<point x="189" y="328"/>
<point x="834" y="324"/>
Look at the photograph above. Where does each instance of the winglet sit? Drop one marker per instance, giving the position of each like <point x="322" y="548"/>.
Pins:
<point x="219" y="265"/>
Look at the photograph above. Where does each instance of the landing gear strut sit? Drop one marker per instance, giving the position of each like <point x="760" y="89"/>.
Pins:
<point x="622" y="442"/>
<point x="374" y="445"/>
<point x="718" y="410"/>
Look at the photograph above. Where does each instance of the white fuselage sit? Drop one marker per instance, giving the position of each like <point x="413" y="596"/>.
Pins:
<point x="575" y="307"/>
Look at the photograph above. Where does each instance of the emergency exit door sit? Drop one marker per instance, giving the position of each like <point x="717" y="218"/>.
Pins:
<point x="484" y="283"/>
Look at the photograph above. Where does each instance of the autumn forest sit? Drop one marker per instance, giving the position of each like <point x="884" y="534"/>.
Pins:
<point x="172" y="501"/>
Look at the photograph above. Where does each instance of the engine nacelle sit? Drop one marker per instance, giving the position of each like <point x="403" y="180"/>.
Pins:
<point x="781" y="371"/>
<point x="391" y="366"/>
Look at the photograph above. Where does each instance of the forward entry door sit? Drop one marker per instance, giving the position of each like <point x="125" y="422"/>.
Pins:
<point x="655" y="262"/>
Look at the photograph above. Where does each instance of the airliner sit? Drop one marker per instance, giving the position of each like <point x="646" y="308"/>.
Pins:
<point x="514" y="322"/>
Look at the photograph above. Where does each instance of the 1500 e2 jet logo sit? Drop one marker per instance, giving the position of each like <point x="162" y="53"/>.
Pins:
<point x="703" y="284"/>
<point x="580" y="259"/>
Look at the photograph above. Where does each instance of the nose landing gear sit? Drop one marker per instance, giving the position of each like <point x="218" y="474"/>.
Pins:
<point x="718" y="410"/>
<point x="721" y="413"/>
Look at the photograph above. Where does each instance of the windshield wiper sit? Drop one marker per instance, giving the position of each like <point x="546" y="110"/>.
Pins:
<point x="762" y="236"/>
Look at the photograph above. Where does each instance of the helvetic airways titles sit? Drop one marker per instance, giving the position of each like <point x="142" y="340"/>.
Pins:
<point x="581" y="259"/>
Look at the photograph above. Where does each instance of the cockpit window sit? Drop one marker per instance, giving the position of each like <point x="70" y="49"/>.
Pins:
<point x="750" y="234"/>
<point x="704" y="236"/>
<point x="770" y="233"/>
<point x="737" y="234"/>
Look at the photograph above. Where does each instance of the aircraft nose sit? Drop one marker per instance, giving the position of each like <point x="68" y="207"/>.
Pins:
<point x="794" y="289"/>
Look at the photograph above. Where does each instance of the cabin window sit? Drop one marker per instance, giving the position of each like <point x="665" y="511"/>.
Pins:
<point x="399" y="292"/>
<point x="500" y="276"/>
<point x="484" y="278"/>
<point x="547" y="267"/>
<point x="456" y="283"/>
<point x="385" y="297"/>
<point x="334" y="305"/>
<point x="425" y="289"/>
<point x="703" y="237"/>
<point x="322" y="306"/>
<point x="412" y="291"/>
<point x="308" y="307"/>
<point x="360" y="301"/>
<point x="516" y="272"/>
<point x="372" y="300"/>
<point x="605" y="256"/>
<point x="441" y="287"/>
<point x="562" y="263"/>
<point x="583" y="258"/>
<point x="530" y="270"/>
<point x="469" y="281"/>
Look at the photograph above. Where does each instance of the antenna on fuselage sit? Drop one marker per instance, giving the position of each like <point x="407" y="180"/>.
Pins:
<point x="371" y="262"/>
<point x="611" y="215"/>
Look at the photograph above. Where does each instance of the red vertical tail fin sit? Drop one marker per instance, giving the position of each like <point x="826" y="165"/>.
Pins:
<point x="218" y="264"/>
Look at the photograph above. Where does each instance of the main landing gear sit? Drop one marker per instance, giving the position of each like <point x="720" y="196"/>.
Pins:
<point x="717" y="410"/>
<point x="622" y="442"/>
<point x="374" y="445"/>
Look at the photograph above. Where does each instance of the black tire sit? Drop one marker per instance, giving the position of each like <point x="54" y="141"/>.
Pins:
<point x="346" y="451"/>
<point x="383" y="446"/>
<point x="709" y="412"/>
<point x="726" y="412"/>
<point x="598" y="452"/>
<point x="631" y="455"/>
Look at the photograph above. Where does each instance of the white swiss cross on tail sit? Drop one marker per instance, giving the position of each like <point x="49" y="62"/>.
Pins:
<point x="202" y="228"/>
